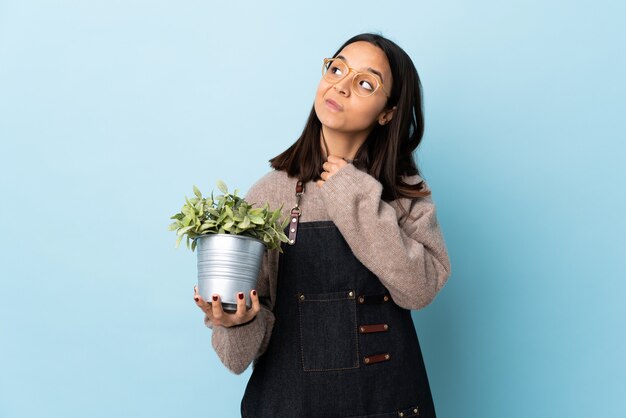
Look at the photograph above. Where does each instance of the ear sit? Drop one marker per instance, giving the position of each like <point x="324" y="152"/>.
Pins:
<point x="386" y="116"/>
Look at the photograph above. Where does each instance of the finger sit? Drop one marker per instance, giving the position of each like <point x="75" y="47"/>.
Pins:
<point x="241" y="307"/>
<point x="319" y="183"/>
<point x="256" y="305"/>
<point x="203" y="305"/>
<point x="334" y="159"/>
<point x="324" y="175"/>
<point x="200" y="302"/>
<point x="216" y="307"/>
<point x="196" y="295"/>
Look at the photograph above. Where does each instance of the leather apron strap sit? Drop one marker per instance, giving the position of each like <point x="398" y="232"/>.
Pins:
<point x="295" y="214"/>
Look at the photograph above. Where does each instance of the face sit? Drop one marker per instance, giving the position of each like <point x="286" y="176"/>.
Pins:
<point x="336" y="105"/>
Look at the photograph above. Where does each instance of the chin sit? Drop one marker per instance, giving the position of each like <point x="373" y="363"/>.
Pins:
<point x="332" y="125"/>
<point x="328" y="119"/>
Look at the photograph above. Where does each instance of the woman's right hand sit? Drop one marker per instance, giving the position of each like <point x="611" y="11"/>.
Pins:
<point x="217" y="315"/>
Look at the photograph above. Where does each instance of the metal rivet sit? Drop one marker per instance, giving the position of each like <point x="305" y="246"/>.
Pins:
<point x="351" y="293"/>
<point x="401" y="414"/>
<point x="367" y="360"/>
<point x="415" y="410"/>
<point x="386" y="326"/>
<point x="301" y="297"/>
<point x="293" y="229"/>
<point x="386" y="356"/>
<point x="293" y="219"/>
<point x="362" y="329"/>
<point x="386" y="298"/>
<point x="290" y="241"/>
<point x="361" y="299"/>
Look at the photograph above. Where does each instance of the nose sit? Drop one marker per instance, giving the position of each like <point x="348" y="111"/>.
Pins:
<point x="343" y="86"/>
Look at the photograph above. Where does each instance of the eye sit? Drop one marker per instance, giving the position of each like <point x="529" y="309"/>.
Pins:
<point x="335" y="70"/>
<point x="366" y="85"/>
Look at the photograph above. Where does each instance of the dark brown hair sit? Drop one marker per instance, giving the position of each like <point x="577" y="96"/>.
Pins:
<point x="387" y="153"/>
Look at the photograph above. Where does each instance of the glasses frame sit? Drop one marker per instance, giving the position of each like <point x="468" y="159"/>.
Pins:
<point x="356" y="73"/>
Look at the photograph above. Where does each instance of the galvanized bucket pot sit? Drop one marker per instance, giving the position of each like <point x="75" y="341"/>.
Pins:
<point x="228" y="264"/>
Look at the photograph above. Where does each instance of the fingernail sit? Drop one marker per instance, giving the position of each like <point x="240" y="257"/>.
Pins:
<point x="214" y="298"/>
<point x="240" y="295"/>
<point x="254" y="292"/>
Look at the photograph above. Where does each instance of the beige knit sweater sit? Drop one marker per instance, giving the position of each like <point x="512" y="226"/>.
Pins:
<point x="408" y="256"/>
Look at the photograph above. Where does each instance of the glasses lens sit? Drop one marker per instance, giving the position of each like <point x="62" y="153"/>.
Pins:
<point x="365" y="84"/>
<point x="335" y="70"/>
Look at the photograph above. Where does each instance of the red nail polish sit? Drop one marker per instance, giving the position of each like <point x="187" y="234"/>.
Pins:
<point x="254" y="292"/>
<point x="240" y="295"/>
<point x="196" y="299"/>
<point x="214" y="298"/>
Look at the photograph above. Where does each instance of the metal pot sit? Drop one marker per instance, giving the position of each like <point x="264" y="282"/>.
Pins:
<point x="228" y="264"/>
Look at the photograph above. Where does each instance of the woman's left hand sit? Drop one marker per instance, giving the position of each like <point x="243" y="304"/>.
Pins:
<point x="331" y="166"/>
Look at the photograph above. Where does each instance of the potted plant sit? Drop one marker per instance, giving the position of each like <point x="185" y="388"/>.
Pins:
<point x="231" y="236"/>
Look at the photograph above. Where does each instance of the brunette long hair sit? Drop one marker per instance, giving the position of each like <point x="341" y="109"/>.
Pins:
<point x="387" y="153"/>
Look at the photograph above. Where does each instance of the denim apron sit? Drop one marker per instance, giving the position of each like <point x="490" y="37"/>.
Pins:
<point x="340" y="346"/>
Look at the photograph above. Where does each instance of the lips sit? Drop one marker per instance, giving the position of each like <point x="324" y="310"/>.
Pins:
<point x="333" y="105"/>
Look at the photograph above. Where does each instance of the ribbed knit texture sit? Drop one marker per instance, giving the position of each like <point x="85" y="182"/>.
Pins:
<point x="407" y="253"/>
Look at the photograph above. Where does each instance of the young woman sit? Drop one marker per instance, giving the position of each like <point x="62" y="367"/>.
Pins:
<point x="329" y="330"/>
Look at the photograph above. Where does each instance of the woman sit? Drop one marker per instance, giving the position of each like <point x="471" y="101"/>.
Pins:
<point x="330" y="331"/>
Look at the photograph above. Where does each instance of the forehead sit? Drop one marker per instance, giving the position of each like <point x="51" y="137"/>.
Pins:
<point x="363" y="56"/>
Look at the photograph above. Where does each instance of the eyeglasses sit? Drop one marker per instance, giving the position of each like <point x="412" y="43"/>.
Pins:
<point x="363" y="84"/>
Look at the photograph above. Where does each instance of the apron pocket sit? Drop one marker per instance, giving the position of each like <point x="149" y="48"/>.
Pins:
<point x="328" y="331"/>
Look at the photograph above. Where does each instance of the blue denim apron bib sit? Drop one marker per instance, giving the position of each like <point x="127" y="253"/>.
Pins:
<point x="340" y="346"/>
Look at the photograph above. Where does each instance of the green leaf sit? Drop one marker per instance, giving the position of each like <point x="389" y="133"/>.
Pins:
<point x="256" y="212"/>
<point x="222" y="187"/>
<point x="245" y="223"/>
<point x="182" y="231"/>
<point x="257" y="220"/>
<point x="199" y="207"/>
<point x="197" y="192"/>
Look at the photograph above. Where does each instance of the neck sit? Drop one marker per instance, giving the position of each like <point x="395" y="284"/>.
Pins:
<point x="341" y="144"/>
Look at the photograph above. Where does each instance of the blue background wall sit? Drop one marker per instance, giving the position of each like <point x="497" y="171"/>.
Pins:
<point x="111" y="110"/>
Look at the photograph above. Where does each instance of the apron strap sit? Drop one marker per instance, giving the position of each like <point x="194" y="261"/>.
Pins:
<point x="295" y="214"/>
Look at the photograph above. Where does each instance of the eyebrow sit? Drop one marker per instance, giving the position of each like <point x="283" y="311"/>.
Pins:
<point x="370" y="69"/>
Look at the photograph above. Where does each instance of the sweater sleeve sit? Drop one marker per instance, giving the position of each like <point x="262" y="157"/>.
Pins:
<point x="408" y="255"/>
<point x="240" y="345"/>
